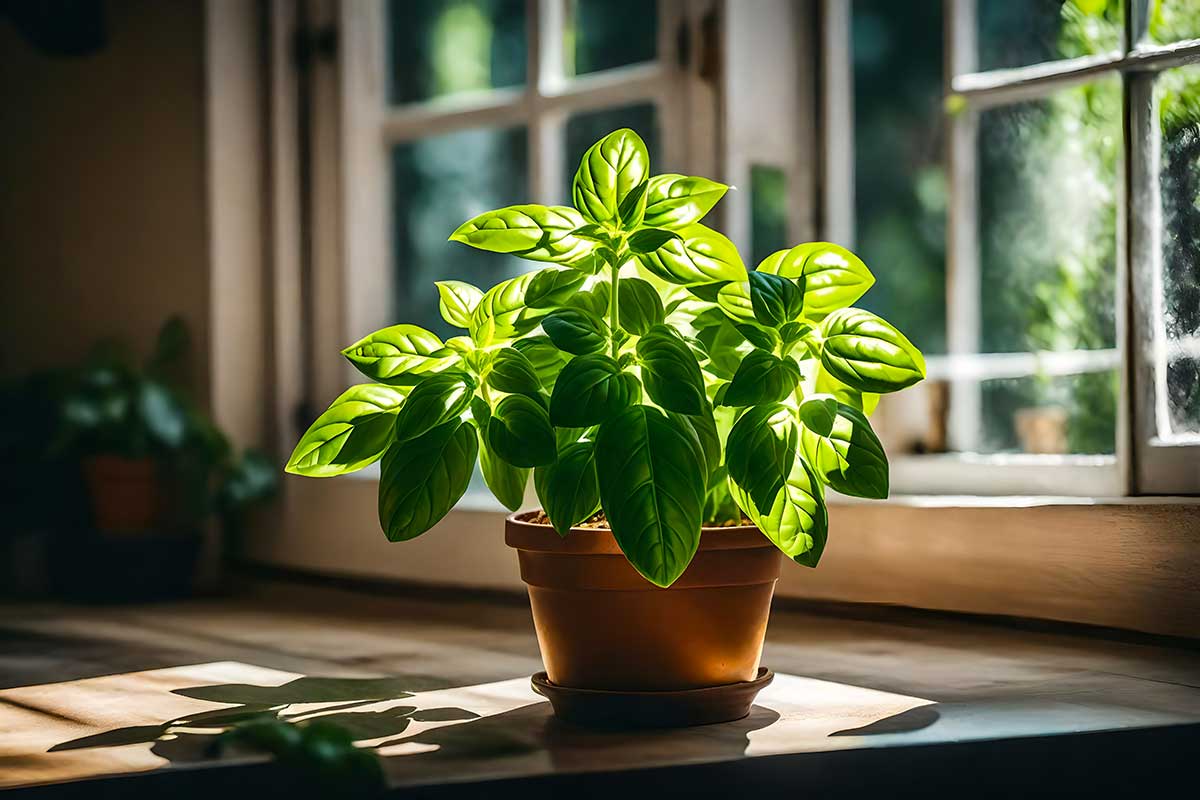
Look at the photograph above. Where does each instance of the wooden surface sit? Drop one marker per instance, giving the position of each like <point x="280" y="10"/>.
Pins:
<point x="441" y="689"/>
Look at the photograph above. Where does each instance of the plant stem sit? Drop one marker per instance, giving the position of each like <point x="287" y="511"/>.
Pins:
<point x="614" y="268"/>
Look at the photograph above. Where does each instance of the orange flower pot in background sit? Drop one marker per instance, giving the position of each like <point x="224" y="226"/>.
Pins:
<point x="126" y="495"/>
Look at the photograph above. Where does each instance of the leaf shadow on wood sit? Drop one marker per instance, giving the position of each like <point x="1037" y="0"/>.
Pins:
<point x="914" y="719"/>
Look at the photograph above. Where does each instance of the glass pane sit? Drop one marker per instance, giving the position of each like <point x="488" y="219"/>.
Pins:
<point x="583" y="130"/>
<point x="900" y="186"/>
<point x="1172" y="20"/>
<point x="439" y="183"/>
<point x="1015" y="33"/>
<point x="602" y="34"/>
<point x="1073" y="414"/>
<point x="1048" y="184"/>
<point x="1178" y="92"/>
<point x="443" y="47"/>
<point x="768" y="211"/>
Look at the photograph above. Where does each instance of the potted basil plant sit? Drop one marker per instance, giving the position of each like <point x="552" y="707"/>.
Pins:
<point x="680" y="414"/>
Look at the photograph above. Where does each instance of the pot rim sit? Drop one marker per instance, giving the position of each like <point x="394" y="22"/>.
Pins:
<point x="522" y="534"/>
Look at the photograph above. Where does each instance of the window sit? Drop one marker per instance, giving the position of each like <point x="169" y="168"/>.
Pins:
<point x="1025" y="188"/>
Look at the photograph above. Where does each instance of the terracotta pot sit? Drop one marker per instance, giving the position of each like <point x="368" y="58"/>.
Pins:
<point x="126" y="494"/>
<point x="601" y="625"/>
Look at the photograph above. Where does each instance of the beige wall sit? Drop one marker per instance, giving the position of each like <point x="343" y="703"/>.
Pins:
<point x="102" y="188"/>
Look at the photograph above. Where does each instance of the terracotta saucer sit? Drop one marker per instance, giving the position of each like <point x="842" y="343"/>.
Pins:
<point x="600" y="708"/>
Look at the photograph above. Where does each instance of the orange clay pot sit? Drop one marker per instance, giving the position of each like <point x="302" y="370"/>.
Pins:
<point x="601" y="625"/>
<point x="127" y="495"/>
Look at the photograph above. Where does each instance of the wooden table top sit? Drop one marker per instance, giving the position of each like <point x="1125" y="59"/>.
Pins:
<point x="441" y="691"/>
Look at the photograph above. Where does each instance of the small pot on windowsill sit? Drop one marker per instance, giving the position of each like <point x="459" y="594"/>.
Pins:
<point x="619" y="650"/>
<point x="127" y="496"/>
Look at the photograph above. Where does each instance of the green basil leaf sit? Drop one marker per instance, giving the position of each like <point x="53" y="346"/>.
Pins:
<point x="434" y="401"/>
<point x="775" y="300"/>
<point x="504" y="480"/>
<point x="734" y="299"/>
<point x="652" y="491"/>
<point x="708" y="292"/>
<point x="761" y="378"/>
<point x="817" y="413"/>
<point x="611" y="169"/>
<point x="576" y="331"/>
<point x="352" y="433"/>
<point x="647" y="240"/>
<point x="591" y="389"/>
<point x="633" y="208"/>
<point x="676" y="201"/>
<point x="794" y="331"/>
<point x="421" y="479"/>
<point x="399" y="355"/>
<point x="513" y="373"/>
<point x="457" y="301"/>
<point x="593" y="300"/>
<point x="761" y="450"/>
<point x="639" y="307"/>
<point x="705" y="428"/>
<point x="502" y="313"/>
<point x="698" y="256"/>
<point x="762" y="338"/>
<point x="798" y="522"/>
<point x="670" y="371"/>
<point x="538" y="233"/>
<point x="552" y="287"/>
<point x="827" y="384"/>
<point x="867" y="353"/>
<point x="519" y="432"/>
<point x="567" y="489"/>
<point x="547" y="360"/>
<point x="850" y="457"/>
<point x="833" y="276"/>
<point x="725" y="347"/>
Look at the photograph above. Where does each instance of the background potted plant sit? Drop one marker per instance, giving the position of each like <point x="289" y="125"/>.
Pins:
<point x="681" y="416"/>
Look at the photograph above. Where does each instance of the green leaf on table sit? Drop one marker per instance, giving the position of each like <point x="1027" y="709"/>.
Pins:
<point x="833" y="276"/>
<point x="639" y="307"/>
<point x="775" y="301"/>
<point x="760" y="452"/>
<point x="535" y="232"/>
<point x="698" y="256"/>
<point x="817" y="413"/>
<point x="591" y="389"/>
<point x="574" y="330"/>
<point x="762" y="377"/>
<point x="867" y="353"/>
<point x="513" y="373"/>
<point x="546" y="359"/>
<point x="610" y="170"/>
<point x="676" y="201"/>
<point x="797" y="522"/>
<point x="352" y="433"/>
<point x="670" y="371"/>
<point x="550" y="288"/>
<point x="519" y="432"/>
<point x="652" y="490"/>
<point x="567" y="488"/>
<point x="504" y="480"/>
<point x="432" y="402"/>
<point x="400" y="355"/>
<point x="457" y="300"/>
<point x="849" y="457"/>
<point x="421" y="479"/>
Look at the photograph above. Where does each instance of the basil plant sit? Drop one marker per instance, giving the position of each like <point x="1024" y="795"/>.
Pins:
<point x="646" y="372"/>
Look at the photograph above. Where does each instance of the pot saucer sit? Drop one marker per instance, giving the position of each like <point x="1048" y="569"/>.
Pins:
<point x="602" y="708"/>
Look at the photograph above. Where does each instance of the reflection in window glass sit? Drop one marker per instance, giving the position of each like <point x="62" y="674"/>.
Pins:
<point x="1172" y="20"/>
<point x="1178" y="93"/>
<point x="583" y="130"/>
<point x="443" y="47"/>
<point x="768" y="212"/>
<point x="1016" y="33"/>
<point x="439" y="183"/>
<point x="900" y="187"/>
<point x="1070" y="414"/>
<point x="602" y="34"/>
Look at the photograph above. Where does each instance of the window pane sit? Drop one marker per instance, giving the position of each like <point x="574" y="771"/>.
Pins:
<point x="1073" y="414"/>
<point x="1015" y="33"/>
<point x="602" y="34"/>
<point x="1178" y="92"/>
<point x="443" y="47"/>
<point x="1048" y="182"/>
<point x="583" y="130"/>
<point x="1172" y="20"/>
<point x="439" y="183"/>
<point x="768" y="212"/>
<point x="900" y="187"/>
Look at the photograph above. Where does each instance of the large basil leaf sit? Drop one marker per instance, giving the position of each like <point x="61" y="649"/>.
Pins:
<point x="734" y="299"/>
<point x="421" y="479"/>
<point x="833" y="276"/>
<point x="761" y="378"/>
<point x="639" y="307"/>
<point x="436" y="400"/>
<point x="552" y="287"/>
<point x="352" y="433"/>
<point x="761" y="450"/>
<point x="850" y="457"/>
<point x="504" y="480"/>
<point x="817" y="413"/>
<point x="576" y="331"/>
<point x="513" y="373"/>
<point x="519" y="432"/>
<point x="865" y="402"/>
<point x="867" y="353"/>
<point x="798" y="522"/>
<point x="591" y="389"/>
<point x="725" y="347"/>
<point x="399" y="354"/>
<point x="611" y="169"/>
<point x="700" y="255"/>
<point x="652" y="491"/>
<point x="705" y="428"/>
<point x="594" y="300"/>
<point x="670" y="371"/>
<point x="567" y="489"/>
<point x="457" y="301"/>
<point x="676" y="201"/>
<point x="538" y="233"/>
<point x="502" y="313"/>
<point x="547" y="360"/>
<point x="775" y="300"/>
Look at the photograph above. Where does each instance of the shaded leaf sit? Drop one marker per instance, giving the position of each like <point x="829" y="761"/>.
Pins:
<point x="591" y="389"/>
<point x="761" y="378"/>
<point x="761" y="450"/>
<point x="850" y="458"/>
<point x="421" y="479"/>
<point x="576" y="331"/>
<point x="670" y="371"/>
<point x="519" y="432"/>
<point x="639" y="307"/>
<point x="567" y="488"/>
